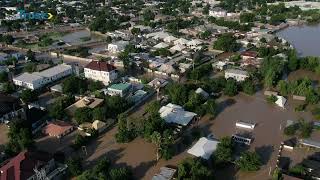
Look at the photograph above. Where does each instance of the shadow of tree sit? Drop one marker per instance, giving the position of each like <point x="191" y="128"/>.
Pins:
<point x="224" y="104"/>
<point x="265" y="153"/>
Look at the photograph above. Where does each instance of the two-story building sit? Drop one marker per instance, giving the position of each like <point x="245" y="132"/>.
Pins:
<point x="100" y="71"/>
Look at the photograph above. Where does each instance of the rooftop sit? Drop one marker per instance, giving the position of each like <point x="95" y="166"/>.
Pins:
<point x="120" y="86"/>
<point x="57" y="128"/>
<point x="172" y="113"/>
<point x="54" y="70"/>
<point x="28" y="77"/>
<point x="100" y="66"/>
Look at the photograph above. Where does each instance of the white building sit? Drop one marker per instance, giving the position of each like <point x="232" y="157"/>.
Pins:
<point x="173" y="113"/>
<point x="117" y="46"/>
<point x="100" y="71"/>
<point x="238" y="75"/>
<point x="218" y="12"/>
<point x="204" y="148"/>
<point x="37" y="80"/>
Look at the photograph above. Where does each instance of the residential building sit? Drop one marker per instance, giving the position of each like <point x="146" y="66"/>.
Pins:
<point x="58" y="129"/>
<point x="158" y="83"/>
<point x="218" y="12"/>
<point x="173" y="113"/>
<point x="100" y="71"/>
<point x="37" y="80"/>
<point x="121" y="89"/>
<point x="118" y="46"/>
<point x="204" y="148"/>
<point x="238" y="75"/>
<point x="89" y="102"/>
<point x="29" y="165"/>
<point x="10" y="108"/>
<point x="165" y="174"/>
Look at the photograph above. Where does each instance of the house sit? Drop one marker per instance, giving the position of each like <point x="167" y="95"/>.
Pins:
<point x="10" y="108"/>
<point x="194" y="43"/>
<point x="161" y="45"/>
<point x="202" y="92"/>
<point x="158" y="83"/>
<point x="165" y="174"/>
<point x="220" y="65"/>
<point x="89" y="102"/>
<point x="167" y="68"/>
<point x="238" y="75"/>
<point x="249" y="54"/>
<point x="281" y="101"/>
<point x="180" y="41"/>
<point x="204" y="148"/>
<point x="173" y="113"/>
<point x="176" y="48"/>
<point x="118" y="46"/>
<point x="170" y="39"/>
<point x="57" y="129"/>
<point x="138" y="96"/>
<point x="37" y="80"/>
<point x="121" y="89"/>
<point x="217" y="12"/>
<point x="290" y="144"/>
<point x="99" y="126"/>
<point x="29" y="165"/>
<point x="100" y="71"/>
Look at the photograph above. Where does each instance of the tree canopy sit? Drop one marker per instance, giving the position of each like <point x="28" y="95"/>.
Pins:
<point x="227" y="42"/>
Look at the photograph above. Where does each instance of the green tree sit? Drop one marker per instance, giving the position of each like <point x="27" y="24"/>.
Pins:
<point x="283" y="87"/>
<point x="227" y="42"/>
<point x="57" y="109"/>
<point x="224" y="151"/>
<point x="156" y="139"/>
<point x="30" y="67"/>
<point x="30" y="55"/>
<point x="248" y="87"/>
<point x="8" y="39"/>
<point x="28" y="96"/>
<point x="83" y="115"/>
<point x="249" y="161"/>
<point x="120" y="174"/>
<point x="148" y="15"/>
<point x="3" y="77"/>
<point x="211" y="107"/>
<point x="20" y="137"/>
<point x="193" y="169"/>
<point x="247" y="17"/>
<point x="74" y="85"/>
<point x="177" y="93"/>
<point x="74" y="166"/>
<point x="231" y="88"/>
<point x="7" y="87"/>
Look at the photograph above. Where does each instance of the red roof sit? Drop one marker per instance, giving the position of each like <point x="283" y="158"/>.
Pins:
<point x="249" y="53"/>
<point x="57" y="128"/>
<point x="21" y="166"/>
<point x="100" y="66"/>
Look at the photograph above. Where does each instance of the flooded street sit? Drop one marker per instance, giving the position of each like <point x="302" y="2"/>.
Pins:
<point x="267" y="136"/>
<point x="306" y="39"/>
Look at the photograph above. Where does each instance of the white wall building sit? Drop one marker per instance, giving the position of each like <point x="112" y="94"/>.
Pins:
<point x="238" y="75"/>
<point x="100" y="71"/>
<point x="218" y="12"/>
<point x="117" y="46"/>
<point x="37" y="80"/>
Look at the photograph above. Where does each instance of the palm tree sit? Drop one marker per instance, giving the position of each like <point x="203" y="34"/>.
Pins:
<point x="156" y="138"/>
